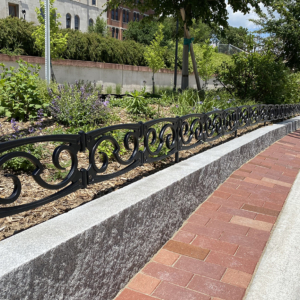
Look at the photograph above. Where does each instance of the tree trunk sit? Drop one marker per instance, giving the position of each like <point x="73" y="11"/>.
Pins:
<point x="185" y="67"/>
<point x="153" y="84"/>
<point x="52" y="73"/>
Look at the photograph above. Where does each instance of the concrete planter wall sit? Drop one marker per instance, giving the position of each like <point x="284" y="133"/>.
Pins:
<point x="92" y="251"/>
<point x="129" y="77"/>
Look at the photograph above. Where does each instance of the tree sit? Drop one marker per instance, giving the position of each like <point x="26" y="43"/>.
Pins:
<point x="58" y="41"/>
<point x="200" y="32"/>
<point x="154" y="53"/>
<point x="144" y="31"/>
<point x="99" y="27"/>
<point x="141" y="32"/>
<point x="210" y="12"/>
<point x="235" y="36"/>
<point x="205" y="64"/>
<point x="282" y="22"/>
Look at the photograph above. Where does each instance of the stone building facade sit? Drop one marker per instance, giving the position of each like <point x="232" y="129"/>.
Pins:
<point x="75" y="14"/>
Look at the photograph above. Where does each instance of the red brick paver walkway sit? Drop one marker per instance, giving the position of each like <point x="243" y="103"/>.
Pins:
<point x="214" y="255"/>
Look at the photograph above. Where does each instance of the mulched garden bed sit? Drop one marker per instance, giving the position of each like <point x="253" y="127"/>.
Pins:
<point x="31" y="191"/>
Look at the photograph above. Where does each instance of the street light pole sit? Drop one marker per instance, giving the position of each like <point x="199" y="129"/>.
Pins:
<point x="47" y="42"/>
<point x="176" y="55"/>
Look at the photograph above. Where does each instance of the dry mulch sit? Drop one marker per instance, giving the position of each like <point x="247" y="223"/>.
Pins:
<point x="31" y="191"/>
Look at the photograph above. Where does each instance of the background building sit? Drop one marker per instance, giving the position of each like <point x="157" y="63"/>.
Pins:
<point x="74" y="14"/>
<point x="118" y="19"/>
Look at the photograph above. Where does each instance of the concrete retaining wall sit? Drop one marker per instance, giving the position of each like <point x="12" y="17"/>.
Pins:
<point x="129" y="77"/>
<point x="92" y="251"/>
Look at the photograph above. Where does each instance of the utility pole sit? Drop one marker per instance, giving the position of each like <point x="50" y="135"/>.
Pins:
<point x="47" y="42"/>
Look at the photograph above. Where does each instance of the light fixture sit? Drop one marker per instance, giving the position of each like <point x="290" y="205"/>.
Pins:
<point x="24" y="13"/>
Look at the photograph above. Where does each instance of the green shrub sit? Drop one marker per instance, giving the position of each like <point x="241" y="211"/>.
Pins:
<point x="137" y="104"/>
<point x="19" y="92"/>
<point x="15" y="34"/>
<point x="78" y="105"/>
<point x="118" y="89"/>
<point x="292" y="89"/>
<point x="256" y="76"/>
<point x="109" y="89"/>
<point x="20" y="163"/>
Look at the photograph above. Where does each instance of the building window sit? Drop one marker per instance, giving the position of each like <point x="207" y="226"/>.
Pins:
<point x="123" y="34"/>
<point x="112" y="14"/>
<point x="13" y="10"/>
<point x="93" y="2"/>
<point x="137" y="16"/>
<point x="68" y="21"/>
<point x="113" y="32"/>
<point x="127" y="16"/>
<point x="117" y="33"/>
<point x="91" y="22"/>
<point x="124" y="16"/>
<point x="134" y="16"/>
<point x="117" y="14"/>
<point x="77" y="23"/>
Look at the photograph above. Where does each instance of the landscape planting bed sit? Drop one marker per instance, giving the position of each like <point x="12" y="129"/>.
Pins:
<point x="14" y="224"/>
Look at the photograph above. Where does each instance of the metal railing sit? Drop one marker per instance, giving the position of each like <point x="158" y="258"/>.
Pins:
<point x="144" y="141"/>
<point x="229" y="49"/>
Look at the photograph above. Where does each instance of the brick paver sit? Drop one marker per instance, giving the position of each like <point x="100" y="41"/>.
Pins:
<point x="214" y="254"/>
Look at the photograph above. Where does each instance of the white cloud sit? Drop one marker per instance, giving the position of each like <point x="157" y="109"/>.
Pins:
<point x="238" y="19"/>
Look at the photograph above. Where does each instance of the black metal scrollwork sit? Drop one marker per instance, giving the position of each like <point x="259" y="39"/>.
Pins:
<point x="146" y="142"/>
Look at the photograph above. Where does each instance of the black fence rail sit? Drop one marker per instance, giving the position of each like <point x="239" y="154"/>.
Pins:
<point x="143" y="141"/>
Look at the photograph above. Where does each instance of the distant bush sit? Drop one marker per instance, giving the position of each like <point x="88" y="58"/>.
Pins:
<point x="258" y="76"/>
<point x="15" y="34"/>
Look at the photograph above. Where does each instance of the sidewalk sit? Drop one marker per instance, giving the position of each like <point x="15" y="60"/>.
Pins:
<point x="215" y="253"/>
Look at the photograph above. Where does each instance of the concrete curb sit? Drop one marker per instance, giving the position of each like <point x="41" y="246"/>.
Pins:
<point x="92" y="251"/>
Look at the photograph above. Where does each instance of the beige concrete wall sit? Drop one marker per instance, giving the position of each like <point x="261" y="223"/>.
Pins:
<point x="129" y="77"/>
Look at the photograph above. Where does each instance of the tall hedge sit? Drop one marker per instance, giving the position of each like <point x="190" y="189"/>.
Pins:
<point x="94" y="47"/>
<point x="17" y="33"/>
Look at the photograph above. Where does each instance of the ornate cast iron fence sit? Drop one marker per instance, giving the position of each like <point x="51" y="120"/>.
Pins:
<point x="143" y="141"/>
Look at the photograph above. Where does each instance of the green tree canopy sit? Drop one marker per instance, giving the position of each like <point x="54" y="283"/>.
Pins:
<point x="58" y="41"/>
<point x="282" y="22"/>
<point x="143" y="32"/>
<point x="235" y="36"/>
<point x="211" y="12"/>
<point x="99" y="27"/>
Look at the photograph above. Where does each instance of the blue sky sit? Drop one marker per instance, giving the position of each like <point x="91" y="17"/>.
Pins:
<point x="239" y="19"/>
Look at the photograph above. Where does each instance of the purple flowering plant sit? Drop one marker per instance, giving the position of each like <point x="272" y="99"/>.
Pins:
<point x="78" y="104"/>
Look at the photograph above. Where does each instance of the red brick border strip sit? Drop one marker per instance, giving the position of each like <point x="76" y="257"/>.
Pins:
<point x="214" y="254"/>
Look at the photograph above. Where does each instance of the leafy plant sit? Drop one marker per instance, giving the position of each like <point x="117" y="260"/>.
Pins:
<point x="12" y="52"/>
<point x="154" y="53"/>
<point x="16" y="36"/>
<point x="78" y="105"/>
<point x="137" y="104"/>
<point x="100" y="27"/>
<point x="118" y="89"/>
<point x="20" y="163"/>
<point x="109" y="89"/>
<point x="256" y="76"/>
<point x="20" y="97"/>
<point x="205" y="65"/>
